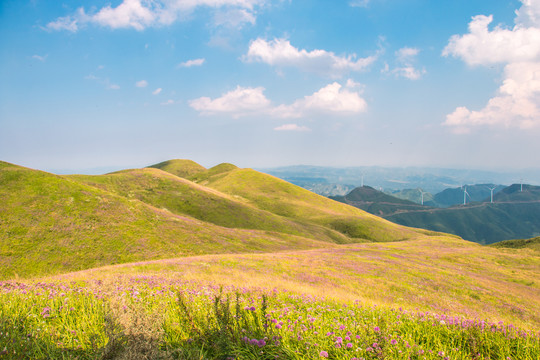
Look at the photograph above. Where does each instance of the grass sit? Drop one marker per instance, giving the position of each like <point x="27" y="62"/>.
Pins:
<point x="174" y="310"/>
<point x="218" y="292"/>
<point x="533" y="243"/>
<point x="52" y="224"/>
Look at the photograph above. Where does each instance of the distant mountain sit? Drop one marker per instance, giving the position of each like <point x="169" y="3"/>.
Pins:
<point x="514" y="213"/>
<point x="481" y="192"/>
<point x="431" y="180"/>
<point x="376" y="202"/>
<point x="51" y="223"/>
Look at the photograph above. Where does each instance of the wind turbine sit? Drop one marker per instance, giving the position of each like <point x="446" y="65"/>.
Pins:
<point x="491" y="189"/>
<point x="465" y="194"/>
<point x="422" y="193"/>
<point x="521" y="181"/>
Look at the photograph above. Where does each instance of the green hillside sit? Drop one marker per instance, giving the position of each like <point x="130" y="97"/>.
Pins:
<point x="477" y="193"/>
<point x="179" y="167"/>
<point x="376" y="202"/>
<point x="183" y="197"/>
<point x="285" y="199"/>
<point x="52" y="223"/>
<point x="533" y="243"/>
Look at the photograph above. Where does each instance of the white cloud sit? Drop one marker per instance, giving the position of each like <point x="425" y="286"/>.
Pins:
<point x="168" y="102"/>
<point x="291" y="127"/>
<point x="331" y="99"/>
<point x="238" y="102"/>
<point x="483" y="47"/>
<point x="405" y="64"/>
<point x="157" y="91"/>
<point x="517" y="103"/>
<point x="141" y="14"/>
<point x="141" y="84"/>
<point x="235" y="18"/>
<point x="191" y="63"/>
<point x="280" y="52"/>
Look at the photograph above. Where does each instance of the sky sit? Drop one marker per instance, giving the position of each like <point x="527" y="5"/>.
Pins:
<point x="89" y="85"/>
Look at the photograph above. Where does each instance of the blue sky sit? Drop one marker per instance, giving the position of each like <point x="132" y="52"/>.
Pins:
<point x="261" y="83"/>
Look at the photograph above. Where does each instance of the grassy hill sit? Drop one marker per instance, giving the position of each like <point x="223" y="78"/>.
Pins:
<point x="376" y="202"/>
<point x="428" y="298"/>
<point x="237" y="270"/>
<point x="52" y="223"/>
<point x="179" y="167"/>
<point x="514" y="213"/>
<point x="477" y="193"/>
<point x="533" y="243"/>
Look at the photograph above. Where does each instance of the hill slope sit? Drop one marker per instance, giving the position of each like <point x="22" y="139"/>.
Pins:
<point x="285" y="199"/>
<point x="514" y="213"/>
<point x="52" y="223"/>
<point x="376" y="202"/>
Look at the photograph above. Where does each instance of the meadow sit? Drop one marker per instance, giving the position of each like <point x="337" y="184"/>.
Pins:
<point x="360" y="301"/>
<point x="181" y="262"/>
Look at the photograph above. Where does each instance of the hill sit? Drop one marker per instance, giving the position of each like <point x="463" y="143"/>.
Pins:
<point x="376" y="202"/>
<point x="514" y="213"/>
<point x="477" y="193"/>
<point x="424" y="298"/>
<point x="51" y="223"/>
<point x="179" y="167"/>
<point x="533" y="243"/>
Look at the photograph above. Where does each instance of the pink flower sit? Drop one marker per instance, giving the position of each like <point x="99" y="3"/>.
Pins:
<point x="323" y="354"/>
<point x="349" y="345"/>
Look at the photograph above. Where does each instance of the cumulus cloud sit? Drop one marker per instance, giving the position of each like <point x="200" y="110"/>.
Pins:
<point x="291" y="127"/>
<point x="280" y="53"/>
<point x="238" y="102"/>
<point x="141" y="84"/>
<point x="405" y="64"/>
<point x="331" y="99"/>
<point x="517" y="102"/>
<point x="141" y="14"/>
<point x="191" y="63"/>
<point x="157" y="91"/>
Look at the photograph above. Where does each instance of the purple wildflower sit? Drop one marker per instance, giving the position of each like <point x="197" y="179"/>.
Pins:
<point x="323" y="354"/>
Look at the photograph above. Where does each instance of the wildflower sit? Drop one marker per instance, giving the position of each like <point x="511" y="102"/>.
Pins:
<point x="46" y="312"/>
<point x="323" y="354"/>
<point x="261" y="343"/>
<point x="393" y="342"/>
<point x="278" y="326"/>
<point x="349" y="345"/>
<point x="376" y="329"/>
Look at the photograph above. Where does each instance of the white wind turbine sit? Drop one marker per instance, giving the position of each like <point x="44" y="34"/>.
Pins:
<point x="422" y="194"/>
<point x="465" y="194"/>
<point x="491" y="189"/>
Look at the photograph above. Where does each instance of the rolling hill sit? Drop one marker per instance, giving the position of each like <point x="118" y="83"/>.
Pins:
<point x="514" y="213"/>
<point x="51" y="223"/>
